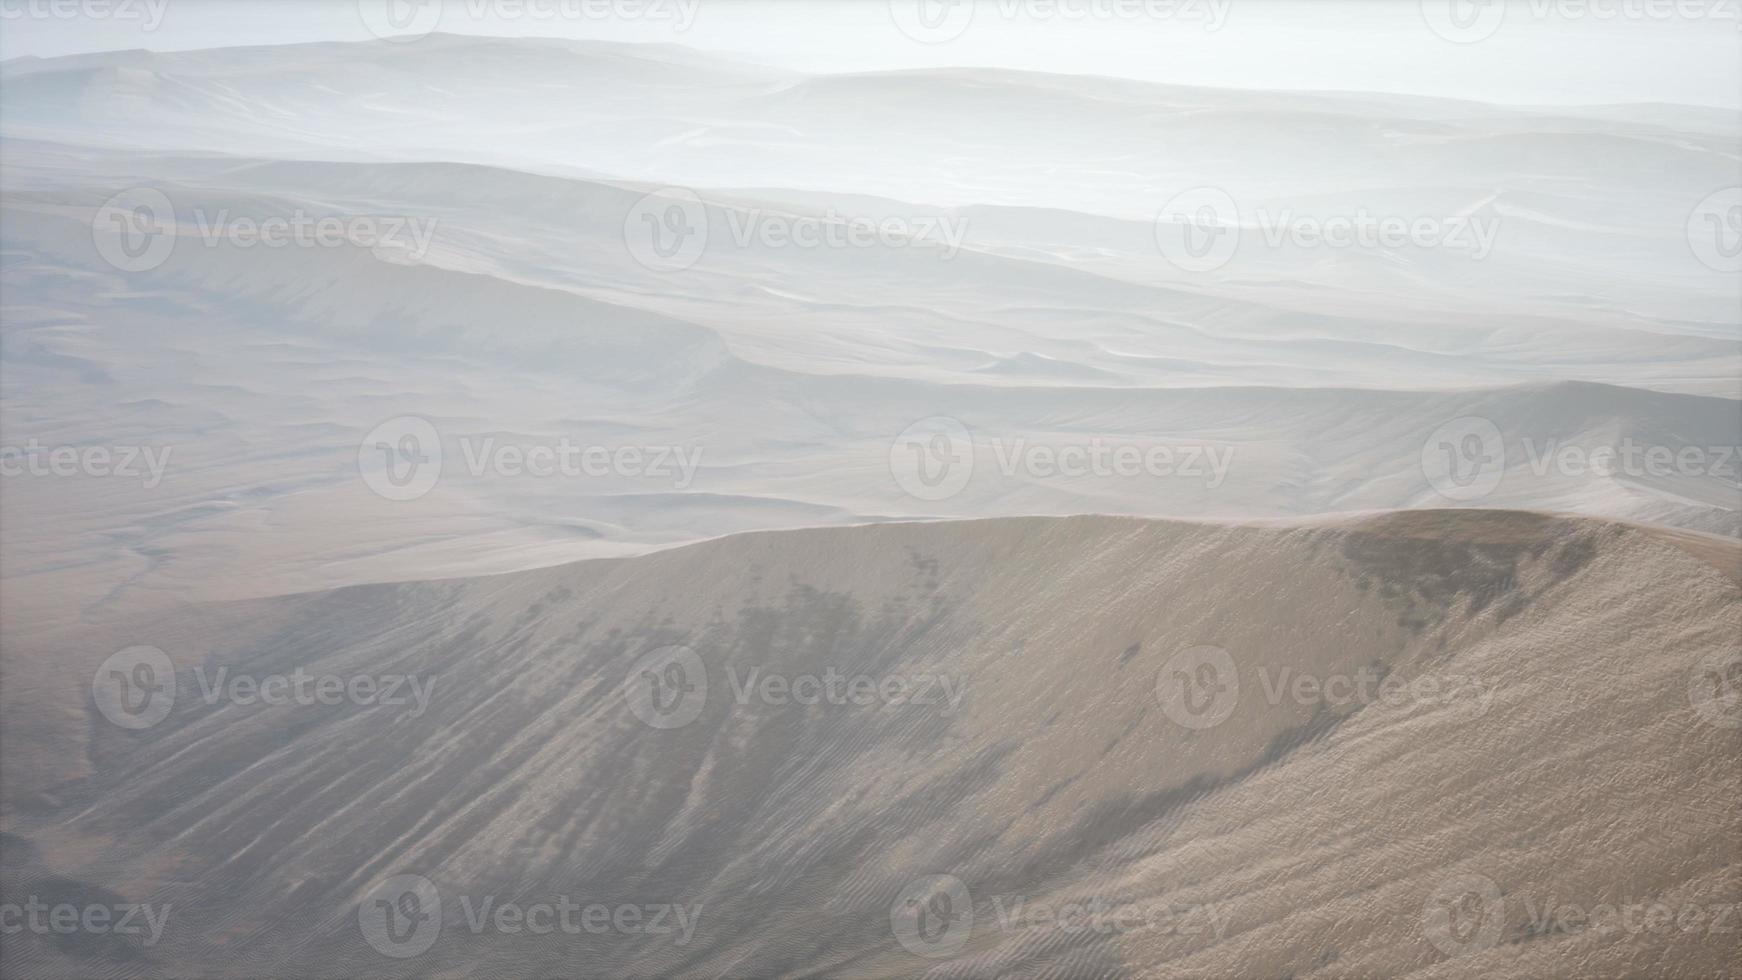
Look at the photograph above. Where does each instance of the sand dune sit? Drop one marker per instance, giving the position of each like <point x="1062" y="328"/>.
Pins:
<point x="528" y="507"/>
<point x="1537" y="733"/>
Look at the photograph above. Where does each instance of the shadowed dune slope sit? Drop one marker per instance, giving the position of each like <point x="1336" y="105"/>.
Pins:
<point x="1543" y="732"/>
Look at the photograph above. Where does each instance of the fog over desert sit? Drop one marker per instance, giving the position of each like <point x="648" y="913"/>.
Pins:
<point x="912" y="488"/>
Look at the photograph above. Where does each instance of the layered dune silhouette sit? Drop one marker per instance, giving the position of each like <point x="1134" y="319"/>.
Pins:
<point x="500" y="507"/>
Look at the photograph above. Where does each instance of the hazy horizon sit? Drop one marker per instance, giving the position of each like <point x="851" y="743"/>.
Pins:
<point x="1543" y="52"/>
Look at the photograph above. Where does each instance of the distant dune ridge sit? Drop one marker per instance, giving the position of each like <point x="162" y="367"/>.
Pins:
<point x="1559" y="755"/>
<point x="934" y="573"/>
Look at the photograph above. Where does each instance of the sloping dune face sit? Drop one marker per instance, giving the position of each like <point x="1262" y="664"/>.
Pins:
<point x="1438" y="744"/>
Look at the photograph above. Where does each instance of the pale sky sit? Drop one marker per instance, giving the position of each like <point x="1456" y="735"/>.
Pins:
<point x="1552" y="52"/>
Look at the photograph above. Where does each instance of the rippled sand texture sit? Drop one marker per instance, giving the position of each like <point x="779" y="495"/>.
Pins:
<point x="1564" y="759"/>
